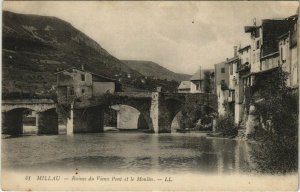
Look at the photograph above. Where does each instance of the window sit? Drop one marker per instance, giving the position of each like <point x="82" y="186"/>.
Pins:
<point x="82" y="77"/>
<point x="222" y="82"/>
<point x="82" y="90"/>
<point x="71" y="92"/>
<point x="198" y="86"/>
<point x="257" y="44"/>
<point x="231" y="69"/>
<point x="222" y="70"/>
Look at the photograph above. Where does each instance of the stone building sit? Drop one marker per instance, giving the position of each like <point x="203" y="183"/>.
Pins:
<point x="270" y="49"/>
<point x="242" y="80"/>
<point x="221" y="84"/>
<point x="202" y="81"/>
<point x="288" y="54"/>
<point x="225" y="83"/>
<point x="184" y="87"/>
<point x="80" y="84"/>
<point x="233" y="62"/>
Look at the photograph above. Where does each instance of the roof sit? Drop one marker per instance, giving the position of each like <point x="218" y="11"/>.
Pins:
<point x="232" y="59"/>
<point x="261" y="72"/>
<point x="244" y="48"/>
<point x="101" y="76"/>
<point x="250" y="28"/>
<point x="284" y="36"/>
<point x="184" y="85"/>
<point x="221" y="63"/>
<point x="201" y="76"/>
<point x="274" y="54"/>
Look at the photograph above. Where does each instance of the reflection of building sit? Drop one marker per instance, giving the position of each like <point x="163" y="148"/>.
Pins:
<point x="74" y="83"/>
<point x="184" y="87"/>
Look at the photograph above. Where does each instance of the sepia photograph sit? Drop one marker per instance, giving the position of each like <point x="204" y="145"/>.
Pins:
<point x="149" y="95"/>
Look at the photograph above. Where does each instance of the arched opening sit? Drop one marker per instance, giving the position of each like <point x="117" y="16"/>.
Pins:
<point x="29" y="122"/>
<point x="191" y="118"/>
<point x="19" y="121"/>
<point x="110" y="118"/>
<point x="121" y="117"/>
<point x="142" y="123"/>
<point x="175" y="125"/>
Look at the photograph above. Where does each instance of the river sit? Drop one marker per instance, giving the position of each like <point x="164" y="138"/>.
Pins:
<point x="127" y="152"/>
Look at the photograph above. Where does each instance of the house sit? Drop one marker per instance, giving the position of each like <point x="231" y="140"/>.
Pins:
<point x="242" y="80"/>
<point x="288" y="58"/>
<point x="225" y="83"/>
<point x="77" y="83"/>
<point x="269" y="48"/>
<point x="221" y="85"/>
<point x="265" y="42"/>
<point x="233" y="62"/>
<point x="184" y="87"/>
<point x="202" y="81"/>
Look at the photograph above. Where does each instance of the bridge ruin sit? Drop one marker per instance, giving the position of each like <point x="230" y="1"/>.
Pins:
<point x="87" y="115"/>
<point x="12" y="115"/>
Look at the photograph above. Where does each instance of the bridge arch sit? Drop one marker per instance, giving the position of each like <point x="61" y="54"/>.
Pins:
<point x="46" y="119"/>
<point x="185" y="107"/>
<point x="131" y="117"/>
<point x="142" y="105"/>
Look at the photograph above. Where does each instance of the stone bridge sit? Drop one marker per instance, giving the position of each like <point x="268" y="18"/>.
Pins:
<point x="87" y="116"/>
<point x="13" y="110"/>
<point x="158" y="109"/>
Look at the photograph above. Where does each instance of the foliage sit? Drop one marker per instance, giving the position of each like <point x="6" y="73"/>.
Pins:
<point x="226" y="126"/>
<point x="191" y="113"/>
<point x="207" y="82"/>
<point x="110" y="117"/>
<point x="276" y="110"/>
<point x="151" y="83"/>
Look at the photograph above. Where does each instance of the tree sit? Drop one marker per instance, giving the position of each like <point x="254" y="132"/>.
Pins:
<point x="226" y="126"/>
<point x="276" y="110"/>
<point x="207" y="82"/>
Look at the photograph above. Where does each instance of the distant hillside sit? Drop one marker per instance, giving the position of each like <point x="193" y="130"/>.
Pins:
<point x="35" y="47"/>
<point x="149" y="68"/>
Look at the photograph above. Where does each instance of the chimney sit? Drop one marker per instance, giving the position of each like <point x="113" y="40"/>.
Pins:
<point x="235" y="51"/>
<point x="82" y="67"/>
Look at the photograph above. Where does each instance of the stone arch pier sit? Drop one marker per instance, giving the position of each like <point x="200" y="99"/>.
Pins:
<point x="12" y="116"/>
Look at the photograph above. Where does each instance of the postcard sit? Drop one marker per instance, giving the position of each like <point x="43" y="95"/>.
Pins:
<point x="150" y="95"/>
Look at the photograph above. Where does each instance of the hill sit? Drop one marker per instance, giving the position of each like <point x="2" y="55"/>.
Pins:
<point x="151" y="69"/>
<point x="35" y="47"/>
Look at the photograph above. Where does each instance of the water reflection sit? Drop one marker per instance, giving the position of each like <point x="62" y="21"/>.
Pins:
<point x="130" y="152"/>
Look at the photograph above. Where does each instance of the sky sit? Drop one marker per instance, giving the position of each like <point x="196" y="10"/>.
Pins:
<point x="179" y="35"/>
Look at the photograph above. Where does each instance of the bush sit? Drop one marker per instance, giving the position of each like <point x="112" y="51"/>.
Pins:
<point x="277" y="114"/>
<point x="226" y="126"/>
<point x="276" y="155"/>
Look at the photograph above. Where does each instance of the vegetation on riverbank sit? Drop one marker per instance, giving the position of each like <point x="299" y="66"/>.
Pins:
<point x="225" y="126"/>
<point x="276" y="111"/>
